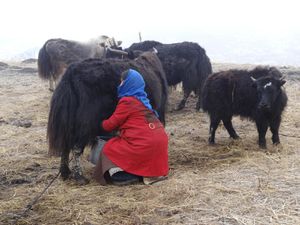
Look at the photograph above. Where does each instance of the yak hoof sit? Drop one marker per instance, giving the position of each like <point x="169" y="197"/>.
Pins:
<point x="65" y="172"/>
<point x="180" y="107"/>
<point x="236" y="137"/>
<point x="198" y="107"/>
<point x="80" y="180"/>
<point x="211" y="142"/>
<point x="275" y="140"/>
<point x="263" y="145"/>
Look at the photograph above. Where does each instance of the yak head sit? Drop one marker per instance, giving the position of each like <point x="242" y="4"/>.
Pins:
<point x="127" y="54"/>
<point x="268" y="89"/>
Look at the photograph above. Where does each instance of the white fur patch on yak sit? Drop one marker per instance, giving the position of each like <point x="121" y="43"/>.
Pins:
<point x="267" y="85"/>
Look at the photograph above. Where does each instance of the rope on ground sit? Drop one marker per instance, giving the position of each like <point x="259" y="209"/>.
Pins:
<point x="35" y="200"/>
<point x="293" y="136"/>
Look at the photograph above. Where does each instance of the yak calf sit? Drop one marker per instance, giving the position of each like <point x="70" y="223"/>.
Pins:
<point x="256" y="94"/>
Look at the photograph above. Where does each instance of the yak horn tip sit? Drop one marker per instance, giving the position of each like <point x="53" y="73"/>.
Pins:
<point x="155" y="50"/>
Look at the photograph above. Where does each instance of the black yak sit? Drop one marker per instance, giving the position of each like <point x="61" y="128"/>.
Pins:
<point x="256" y="94"/>
<point x="133" y="51"/>
<point x="184" y="62"/>
<point x="143" y="46"/>
<point x="57" y="54"/>
<point x="87" y="94"/>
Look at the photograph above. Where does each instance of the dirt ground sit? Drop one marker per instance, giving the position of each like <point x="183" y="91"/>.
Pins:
<point x="233" y="182"/>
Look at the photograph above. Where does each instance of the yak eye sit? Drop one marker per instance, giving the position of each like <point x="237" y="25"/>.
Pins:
<point x="269" y="84"/>
<point x="260" y="89"/>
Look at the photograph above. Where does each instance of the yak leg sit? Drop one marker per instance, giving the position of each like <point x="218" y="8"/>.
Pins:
<point x="64" y="165"/>
<point x="55" y="80"/>
<point x="262" y="127"/>
<point x="59" y="77"/>
<point x="198" y="104"/>
<point x="51" y="84"/>
<point x="228" y="125"/>
<point x="186" y="94"/>
<point x="214" y="123"/>
<point x="80" y="179"/>
<point x="274" y="125"/>
<point x="162" y="116"/>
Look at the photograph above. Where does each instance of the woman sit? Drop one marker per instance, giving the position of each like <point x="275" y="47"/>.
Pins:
<point x="141" y="149"/>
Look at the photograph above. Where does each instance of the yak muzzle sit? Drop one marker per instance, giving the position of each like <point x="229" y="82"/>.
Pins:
<point x="264" y="106"/>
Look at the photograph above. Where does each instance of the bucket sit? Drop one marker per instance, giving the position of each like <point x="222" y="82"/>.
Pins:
<point x="96" y="150"/>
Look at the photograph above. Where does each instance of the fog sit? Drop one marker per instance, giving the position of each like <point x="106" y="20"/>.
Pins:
<point x="238" y="31"/>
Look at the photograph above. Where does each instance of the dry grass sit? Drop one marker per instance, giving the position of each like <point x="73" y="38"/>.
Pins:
<point x="233" y="182"/>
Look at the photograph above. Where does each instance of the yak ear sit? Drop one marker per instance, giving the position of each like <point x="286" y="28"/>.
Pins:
<point x="282" y="82"/>
<point x="254" y="81"/>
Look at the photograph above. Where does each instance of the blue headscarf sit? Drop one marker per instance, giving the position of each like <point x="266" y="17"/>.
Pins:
<point x="134" y="85"/>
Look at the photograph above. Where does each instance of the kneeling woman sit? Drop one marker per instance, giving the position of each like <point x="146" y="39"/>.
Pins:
<point x="140" y="151"/>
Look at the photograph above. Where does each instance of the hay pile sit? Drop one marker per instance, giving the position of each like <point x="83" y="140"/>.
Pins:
<point x="233" y="182"/>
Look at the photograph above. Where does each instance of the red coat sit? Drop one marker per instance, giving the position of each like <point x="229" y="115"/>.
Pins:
<point x="142" y="145"/>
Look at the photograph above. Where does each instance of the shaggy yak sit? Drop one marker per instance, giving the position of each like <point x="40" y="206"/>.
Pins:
<point x="56" y="54"/>
<point x="143" y="46"/>
<point x="86" y="95"/>
<point x="184" y="62"/>
<point x="256" y="94"/>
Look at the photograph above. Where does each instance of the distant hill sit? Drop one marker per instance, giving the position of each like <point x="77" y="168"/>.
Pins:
<point x="29" y="53"/>
<point x="245" y="48"/>
<point x="232" y="46"/>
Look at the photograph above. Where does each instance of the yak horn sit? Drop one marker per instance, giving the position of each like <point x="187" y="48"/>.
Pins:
<point x="117" y="51"/>
<point x="282" y="78"/>
<point x="253" y="79"/>
<point x="155" y="50"/>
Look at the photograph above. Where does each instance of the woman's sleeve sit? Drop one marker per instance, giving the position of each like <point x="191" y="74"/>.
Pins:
<point x="118" y="117"/>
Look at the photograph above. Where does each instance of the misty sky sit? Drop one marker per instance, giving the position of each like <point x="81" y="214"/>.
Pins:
<point x="229" y="30"/>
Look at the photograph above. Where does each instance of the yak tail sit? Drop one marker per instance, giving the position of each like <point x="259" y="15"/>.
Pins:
<point x="61" y="120"/>
<point x="165" y="96"/>
<point x="164" y="100"/>
<point x="205" y="69"/>
<point x="46" y="67"/>
<point x="156" y="65"/>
